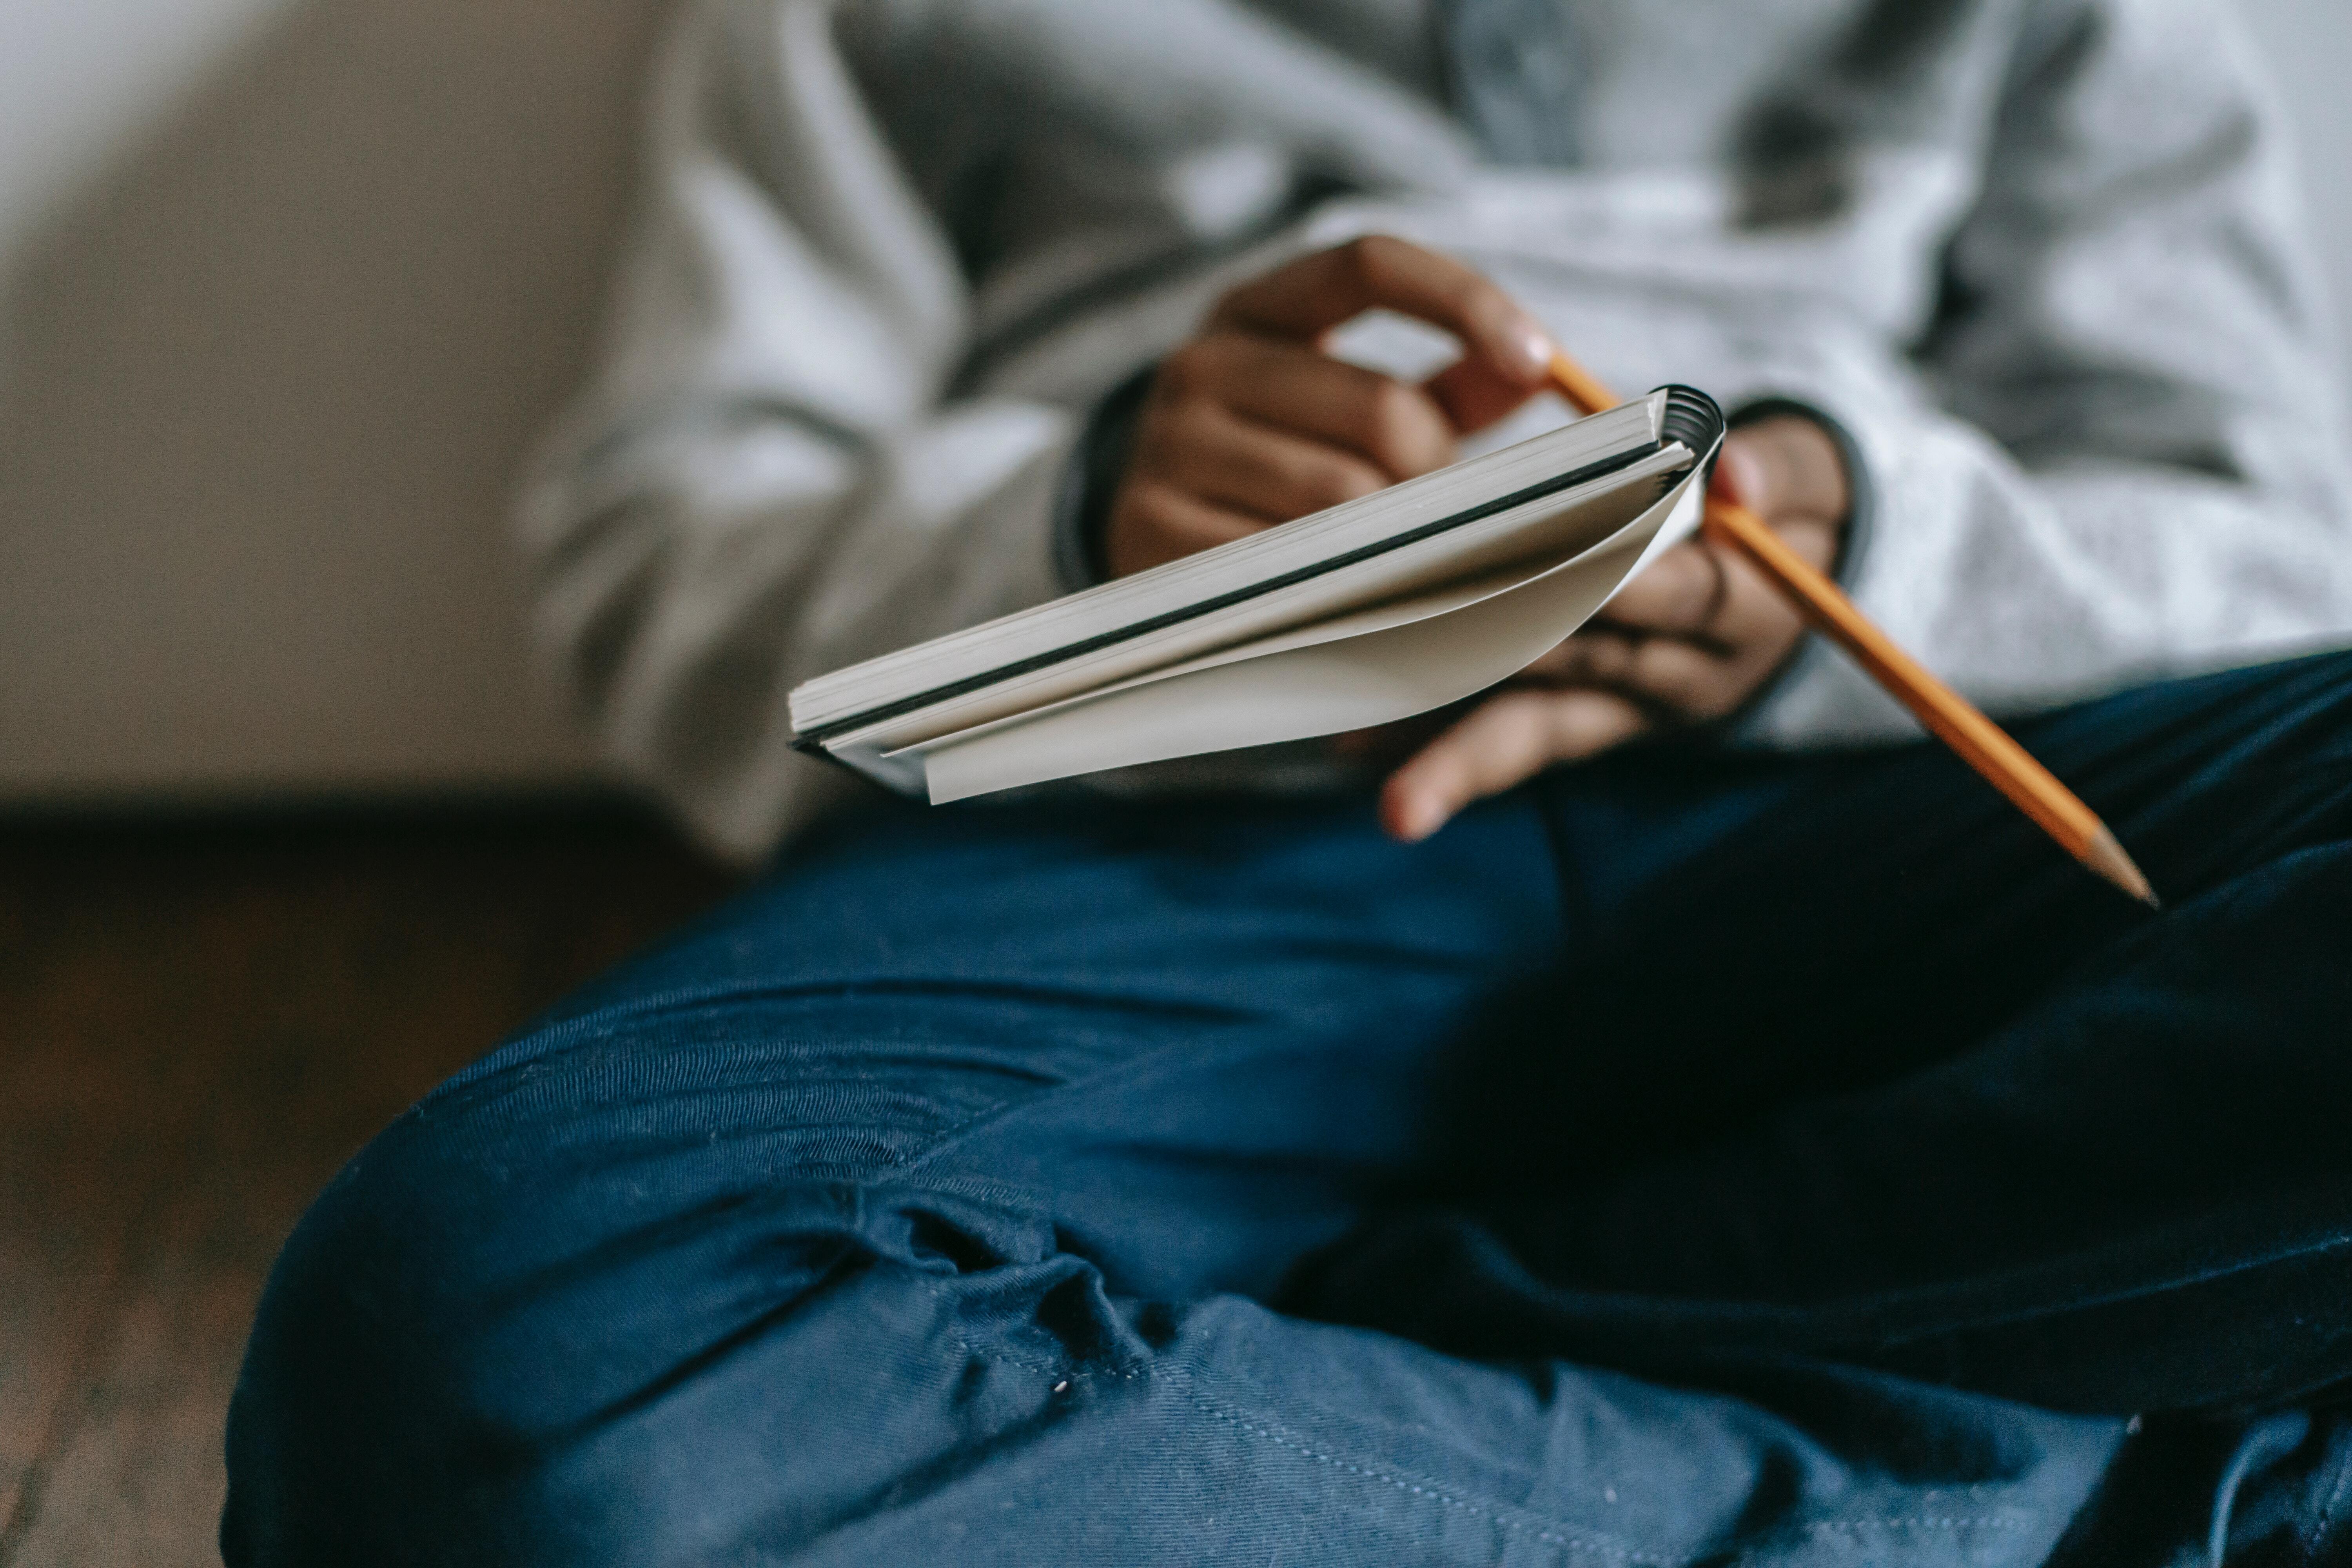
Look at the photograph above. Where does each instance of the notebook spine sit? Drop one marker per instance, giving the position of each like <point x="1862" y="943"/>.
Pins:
<point x="1693" y="419"/>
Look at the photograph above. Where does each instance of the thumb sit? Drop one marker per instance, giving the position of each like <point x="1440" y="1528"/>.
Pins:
<point x="1742" y="478"/>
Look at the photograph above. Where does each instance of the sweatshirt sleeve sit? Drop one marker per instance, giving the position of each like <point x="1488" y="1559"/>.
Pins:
<point x="770" y="478"/>
<point x="2123" y="455"/>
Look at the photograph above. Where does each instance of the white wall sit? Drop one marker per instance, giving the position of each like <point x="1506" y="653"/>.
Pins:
<point x="285" y="288"/>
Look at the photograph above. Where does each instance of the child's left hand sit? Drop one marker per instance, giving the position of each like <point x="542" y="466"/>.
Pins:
<point x="1688" y="642"/>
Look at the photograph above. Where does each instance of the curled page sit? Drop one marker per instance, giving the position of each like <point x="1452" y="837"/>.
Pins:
<point x="1368" y="667"/>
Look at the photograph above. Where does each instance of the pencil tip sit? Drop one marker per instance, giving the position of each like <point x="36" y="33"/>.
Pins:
<point x="2107" y="857"/>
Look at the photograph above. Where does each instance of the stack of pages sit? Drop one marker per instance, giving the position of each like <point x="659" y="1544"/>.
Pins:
<point x="1387" y="607"/>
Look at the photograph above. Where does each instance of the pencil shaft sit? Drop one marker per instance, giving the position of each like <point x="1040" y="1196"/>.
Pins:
<point x="1952" y="719"/>
<point x="1947" y="715"/>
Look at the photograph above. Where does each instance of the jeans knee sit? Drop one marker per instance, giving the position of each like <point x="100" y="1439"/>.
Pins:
<point x="352" y="1408"/>
<point x="476" y="1333"/>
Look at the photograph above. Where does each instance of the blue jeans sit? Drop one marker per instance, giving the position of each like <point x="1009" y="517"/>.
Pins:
<point x="1690" y="1158"/>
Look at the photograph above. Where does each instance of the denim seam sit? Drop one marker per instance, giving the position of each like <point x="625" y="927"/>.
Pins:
<point x="1192" y="1396"/>
<point x="1597" y="1547"/>
<point x="1618" y="1552"/>
<point x="1615" y="1554"/>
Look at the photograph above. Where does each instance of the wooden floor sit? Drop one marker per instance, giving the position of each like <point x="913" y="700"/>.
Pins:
<point x="199" y="1023"/>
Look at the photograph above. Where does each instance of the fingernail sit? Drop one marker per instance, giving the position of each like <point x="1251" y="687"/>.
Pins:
<point x="1536" y="348"/>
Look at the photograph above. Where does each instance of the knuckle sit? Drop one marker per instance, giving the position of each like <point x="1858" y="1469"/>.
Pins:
<point x="1476" y="302"/>
<point x="1404" y="431"/>
<point x="1333" y="482"/>
<point x="1593" y="721"/>
<point x="1662" y="673"/>
<point x="1191" y="434"/>
<point x="1192" y="370"/>
<point x="1519" y="723"/>
<point x="1568" y="723"/>
<point x="1381" y="263"/>
<point x="1391" y="417"/>
<point x="1714" y="694"/>
<point x="1156" y="440"/>
<point x="1149" y="504"/>
<point x="1485" y="306"/>
<point x="1557" y="660"/>
<point x="1179" y="372"/>
<point x="1134" y="535"/>
<point x="1685" y="583"/>
<point x="1602" y="657"/>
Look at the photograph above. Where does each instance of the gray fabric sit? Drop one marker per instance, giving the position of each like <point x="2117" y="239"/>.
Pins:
<point x="2039" y="258"/>
<point x="1518" y="73"/>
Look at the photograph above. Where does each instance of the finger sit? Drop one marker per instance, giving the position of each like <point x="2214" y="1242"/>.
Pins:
<point x="1814" y="538"/>
<point x="1474" y="394"/>
<point x="1741" y="477"/>
<point x="1593" y="656"/>
<point x="1678" y="680"/>
<point x="1386" y="745"/>
<point x="1252" y="469"/>
<point x="1665" y="651"/>
<point x="1292" y="387"/>
<point x="1753" y="612"/>
<point x="1154" y="522"/>
<point x="1681" y="593"/>
<point x="1785" y="464"/>
<point x="1681" y="680"/>
<point x="1315" y="293"/>
<point x="1713" y="594"/>
<point x="1505" y="741"/>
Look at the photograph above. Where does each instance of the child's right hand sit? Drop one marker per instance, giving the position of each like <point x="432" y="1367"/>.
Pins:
<point x="1252" y="423"/>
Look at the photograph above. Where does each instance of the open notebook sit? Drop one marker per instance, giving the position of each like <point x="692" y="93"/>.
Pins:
<point x="1385" y="608"/>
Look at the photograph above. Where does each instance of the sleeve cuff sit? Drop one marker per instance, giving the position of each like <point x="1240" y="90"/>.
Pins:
<point x="1853" y="544"/>
<point x="1082" y="504"/>
<point x="1861" y="491"/>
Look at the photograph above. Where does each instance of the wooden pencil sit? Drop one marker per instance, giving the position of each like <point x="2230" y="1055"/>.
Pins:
<point x="1949" y="717"/>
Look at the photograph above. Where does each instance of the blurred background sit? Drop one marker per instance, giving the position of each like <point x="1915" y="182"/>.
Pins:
<point x="290" y="825"/>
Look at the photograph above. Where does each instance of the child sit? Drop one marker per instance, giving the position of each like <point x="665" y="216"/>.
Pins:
<point x="1759" y="1145"/>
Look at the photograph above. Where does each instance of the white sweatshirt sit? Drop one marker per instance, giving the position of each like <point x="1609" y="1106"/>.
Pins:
<point x="2041" y="260"/>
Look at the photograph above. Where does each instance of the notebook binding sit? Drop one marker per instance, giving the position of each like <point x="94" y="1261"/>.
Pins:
<point x="1693" y="419"/>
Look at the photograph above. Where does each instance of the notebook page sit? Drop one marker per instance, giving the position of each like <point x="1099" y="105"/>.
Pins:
<point x="1106" y="609"/>
<point x="1301" y="687"/>
<point x="1554" y="526"/>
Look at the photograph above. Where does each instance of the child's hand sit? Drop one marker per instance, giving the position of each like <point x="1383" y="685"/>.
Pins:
<point x="1253" y="424"/>
<point x="1689" y="641"/>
